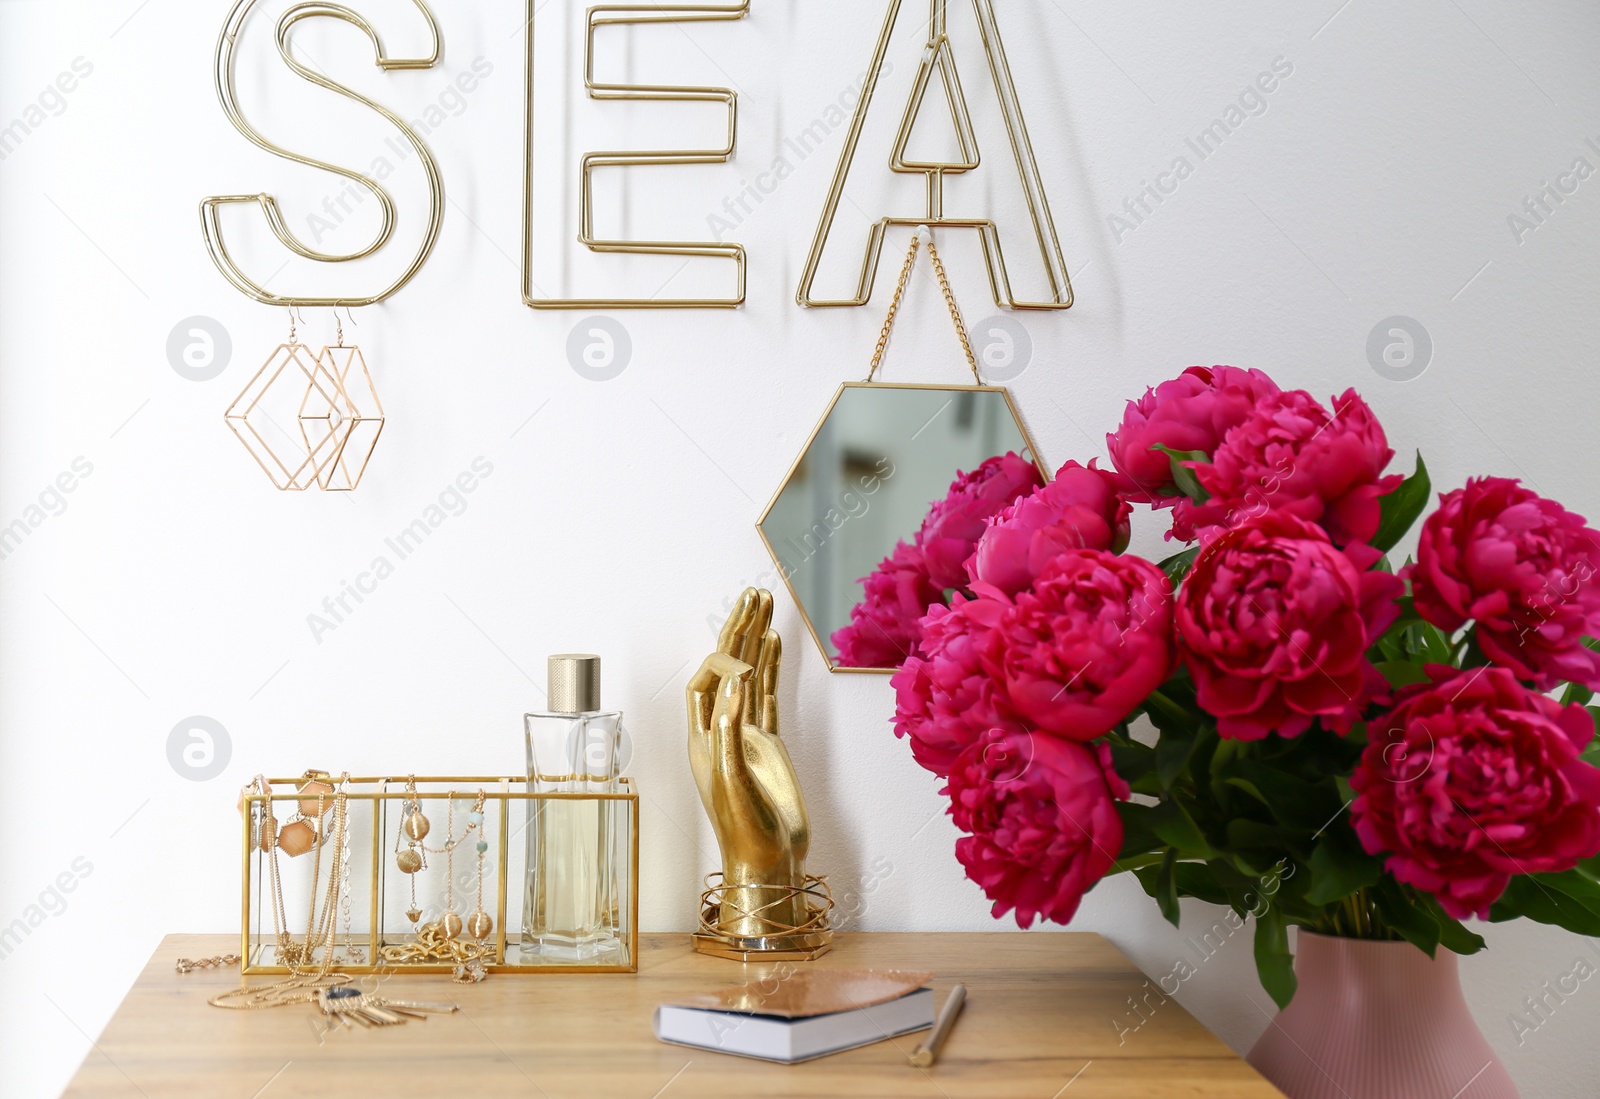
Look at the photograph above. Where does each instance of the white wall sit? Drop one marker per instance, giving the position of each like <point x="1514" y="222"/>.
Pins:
<point x="620" y="518"/>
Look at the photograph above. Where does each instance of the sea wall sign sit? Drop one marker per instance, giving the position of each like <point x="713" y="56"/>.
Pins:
<point x="937" y="63"/>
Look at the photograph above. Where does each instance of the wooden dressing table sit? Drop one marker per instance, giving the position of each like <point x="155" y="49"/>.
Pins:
<point x="1038" y="1025"/>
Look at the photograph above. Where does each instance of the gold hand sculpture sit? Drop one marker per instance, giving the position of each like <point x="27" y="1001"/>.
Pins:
<point x="748" y="785"/>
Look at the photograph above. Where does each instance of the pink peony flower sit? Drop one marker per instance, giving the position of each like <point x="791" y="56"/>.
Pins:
<point x="1523" y="567"/>
<point x="944" y="698"/>
<point x="1086" y="645"/>
<point x="1041" y="821"/>
<point x="1473" y="778"/>
<point x="1080" y="509"/>
<point x="883" y="627"/>
<point x="954" y="524"/>
<point x="1193" y="411"/>
<point x="1292" y="455"/>
<point x="1274" y="622"/>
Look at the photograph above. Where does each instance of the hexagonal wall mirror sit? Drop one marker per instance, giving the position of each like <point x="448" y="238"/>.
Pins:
<point x="844" y="527"/>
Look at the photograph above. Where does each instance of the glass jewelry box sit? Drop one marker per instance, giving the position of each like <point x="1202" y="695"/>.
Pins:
<point x="431" y="874"/>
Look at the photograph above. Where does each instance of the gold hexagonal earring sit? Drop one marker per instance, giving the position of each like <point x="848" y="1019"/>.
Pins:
<point x="355" y="418"/>
<point x="282" y="389"/>
<point x="333" y="402"/>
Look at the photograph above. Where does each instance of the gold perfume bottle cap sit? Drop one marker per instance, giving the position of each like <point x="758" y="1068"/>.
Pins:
<point x="574" y="683"/>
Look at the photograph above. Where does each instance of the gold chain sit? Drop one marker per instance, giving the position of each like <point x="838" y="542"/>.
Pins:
<point x="316" y="876"/>
<point x="280" y="921"/>
<point x="303" y="985"/>
<point x="949" y="301"/>
<point x="433" y="945"/>
<point x="955" y="310"/>
<point x="894" y="304"/>
<point x="189" y="965"/>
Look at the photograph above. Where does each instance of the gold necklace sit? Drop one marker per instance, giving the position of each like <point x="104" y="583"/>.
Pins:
<point x="304" y="985"/>
<point x="440" y="940"/>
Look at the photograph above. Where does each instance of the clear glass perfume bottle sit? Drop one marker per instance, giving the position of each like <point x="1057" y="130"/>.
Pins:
<point x="571" y="906"/>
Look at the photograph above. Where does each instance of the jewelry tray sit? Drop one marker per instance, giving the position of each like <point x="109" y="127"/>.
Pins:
<point x="372" y="912"/>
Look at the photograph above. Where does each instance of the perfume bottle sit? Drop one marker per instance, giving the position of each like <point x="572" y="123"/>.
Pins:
<point x="571" y="906"/>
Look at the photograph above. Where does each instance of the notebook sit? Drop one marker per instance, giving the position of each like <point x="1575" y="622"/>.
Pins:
<point x="801" y="1015"/>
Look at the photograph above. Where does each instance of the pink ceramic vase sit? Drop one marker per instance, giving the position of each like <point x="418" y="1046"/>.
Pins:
<point x="1377" y="1020"/>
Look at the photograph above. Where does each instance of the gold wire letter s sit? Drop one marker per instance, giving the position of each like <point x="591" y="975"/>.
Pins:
<point x="227" y="93"/>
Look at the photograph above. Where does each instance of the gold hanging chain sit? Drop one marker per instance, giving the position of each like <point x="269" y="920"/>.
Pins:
<point x="894" y="304"/>
<point x="949" y="301"/>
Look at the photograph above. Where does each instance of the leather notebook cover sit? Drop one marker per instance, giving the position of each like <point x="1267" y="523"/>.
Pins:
<point x="810" y="992"/>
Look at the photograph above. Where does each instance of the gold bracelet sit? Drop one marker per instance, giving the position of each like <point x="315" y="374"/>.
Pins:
<point x="187" y="965"/>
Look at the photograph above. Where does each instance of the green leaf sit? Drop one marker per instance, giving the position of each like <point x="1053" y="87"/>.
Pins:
<point x="1182" y="475"/>
<point x="1190" y="879"/>
<point x="1138" y="837"/>
<point x="1453" y="935"/>
<point x="1400" y="508"/>
<point x="1248" y="787"/>
<point x="1167" y="887"/>
<point x="1274" y="963"/>
<point x="1591" y="754"/>
<point x="1172" y="756"/>
<point x="1172" y="823"/>
<point x="1576" y="692"/>
<point x="1293" y="801"/>
<point x="1339" y="866"/>
<point x="1133" y="760"/>
<point x="1402" y="914"/>
<point x="1178" y="565"/>
<point x="1225" y="752"/>
<point x="1402" y="673"/>
<point x="1433" y="644"/>
<point x="1134" y="863"/>
<point x="1569" y="899"/>
<point x="1243" y="891"/>
<point x="1580" y="884"/>
<point x="1170" y="716"/>
<point x="1196" y="879"/>
<point x="1246" y="833"/>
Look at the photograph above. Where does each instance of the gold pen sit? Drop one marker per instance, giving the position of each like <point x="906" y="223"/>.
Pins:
<point x="928" y="1052"/>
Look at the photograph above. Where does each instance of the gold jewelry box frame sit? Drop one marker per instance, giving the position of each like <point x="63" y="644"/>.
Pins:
<point x="496" y="788"/>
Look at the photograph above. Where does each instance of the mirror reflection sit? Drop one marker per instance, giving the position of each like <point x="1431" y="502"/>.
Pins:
<point x="878" y="516"/>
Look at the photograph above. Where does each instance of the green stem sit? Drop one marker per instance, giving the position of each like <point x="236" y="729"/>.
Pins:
<point x="1167" y="706"/>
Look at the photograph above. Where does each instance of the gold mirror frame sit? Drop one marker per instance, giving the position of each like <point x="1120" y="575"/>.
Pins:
<point x="1032" y="453"/>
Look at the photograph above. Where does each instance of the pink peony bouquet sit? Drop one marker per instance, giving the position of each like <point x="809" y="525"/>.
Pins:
<point x="1276" y="718"/>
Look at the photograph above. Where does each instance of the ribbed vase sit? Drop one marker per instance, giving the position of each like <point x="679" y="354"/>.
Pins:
<point x="1377" y="1020"/>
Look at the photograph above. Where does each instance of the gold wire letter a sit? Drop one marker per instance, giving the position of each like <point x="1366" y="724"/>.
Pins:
<point x="937" y="60"/>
